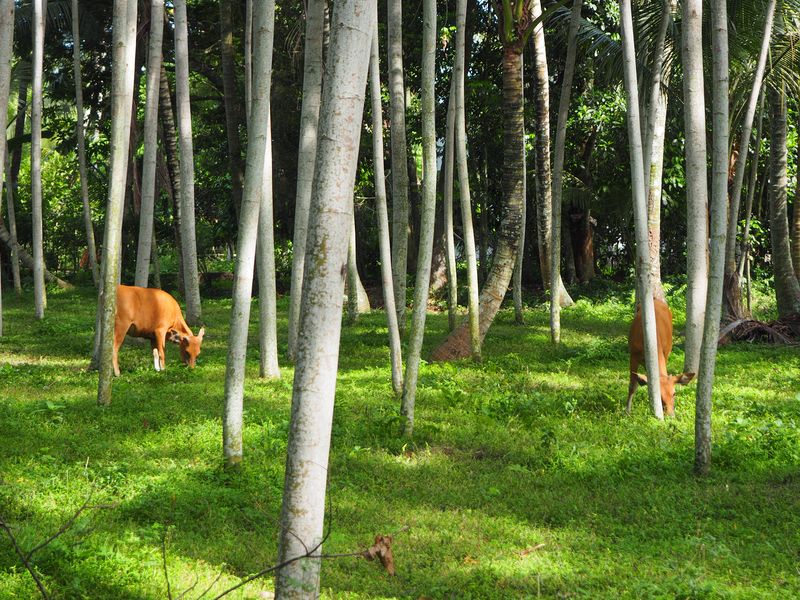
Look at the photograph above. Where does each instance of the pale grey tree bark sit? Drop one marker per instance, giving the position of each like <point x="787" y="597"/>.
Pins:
<point x="303" y="510"/>
<point x="787" y="288"/>
<point x="188" y="240"/>
<point x="124" y="45"/>
<point x="248" y="59"/>
<point x="265" y="255"/>
<point x="357" y="300"/>
<point x="39" y="292"/>
<point x="12" y="226"/>
<point x="397" y="109"/>
<point x="751" y="190"/>
<point x="258" y="135"/>
<point x="382" y="214"/>
<point x="306" y="160"/>
<point x="654" y="133"/>
<point x="640" y="209"/>
<point x="463" y="184"/>
<point x="447" y="210"/>
<point x="719" y="223"/>
<point x="732" y="290"/>
<point x="694" y="112"/>
<point x="154" y="52"/>
<point x="428" y="210"/>
<point x="6" y="53"/>
<point x="79" y="132"/>
<point x="558" y="165"/>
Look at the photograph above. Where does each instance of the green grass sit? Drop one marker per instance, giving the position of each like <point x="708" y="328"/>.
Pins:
<point x="524" y="477"/>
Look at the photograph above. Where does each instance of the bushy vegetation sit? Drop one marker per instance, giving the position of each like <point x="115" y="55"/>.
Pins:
<point x="524" y="478"/>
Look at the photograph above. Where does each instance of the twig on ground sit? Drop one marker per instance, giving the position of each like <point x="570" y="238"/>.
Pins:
<point x="24" y="559"/>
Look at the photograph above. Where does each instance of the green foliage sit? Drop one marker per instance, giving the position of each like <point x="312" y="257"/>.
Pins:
<point x="525" y="477"/>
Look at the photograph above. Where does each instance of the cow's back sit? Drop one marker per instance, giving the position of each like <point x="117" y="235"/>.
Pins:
<point x="146" y="309"/>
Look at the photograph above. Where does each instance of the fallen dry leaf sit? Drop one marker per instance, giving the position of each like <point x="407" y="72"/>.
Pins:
<point x="382" y="549"/>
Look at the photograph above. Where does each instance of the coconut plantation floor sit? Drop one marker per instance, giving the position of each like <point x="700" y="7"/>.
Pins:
<point x="524" y="477"/>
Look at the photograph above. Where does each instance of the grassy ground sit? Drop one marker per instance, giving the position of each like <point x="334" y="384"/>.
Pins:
<point x="524" y="478"/>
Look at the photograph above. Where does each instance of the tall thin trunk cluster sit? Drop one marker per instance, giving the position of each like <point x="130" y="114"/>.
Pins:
<point x="6" y="43"/>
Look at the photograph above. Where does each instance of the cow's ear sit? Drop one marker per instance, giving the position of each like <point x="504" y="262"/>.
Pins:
<point x="201" y="333"/>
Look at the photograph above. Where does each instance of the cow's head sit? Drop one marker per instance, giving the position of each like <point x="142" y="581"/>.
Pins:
<point x="668" y="383"/>
<point x="190" y="346"/>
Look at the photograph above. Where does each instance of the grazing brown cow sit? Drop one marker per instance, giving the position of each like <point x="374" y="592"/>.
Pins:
<point x="636" y="348"/>
<point x="155" y="315"/>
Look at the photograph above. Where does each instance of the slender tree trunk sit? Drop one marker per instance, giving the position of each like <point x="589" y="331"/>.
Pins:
<point x="144" y="253"/>
<point x="463" y="184"/>
<point x="796" y="225"/>
<point x="252" y="204"/>
<point x="12" y="225"/>
<point x="400" y="183"/>
<point x="155" y="261"/>
<point x="170" y="139"/>
<point x="457" y="344"/>
<point x="189" y="245"/>
<point x="124" y="29"/>
<point x="427" y="215"/>
<point x="558" y="166"/>
<point x="330" y="219"/>
<point x="309" y="121"/>
<point x="751" y="190"/>
<point x="87" y="211"/>
<point x="732" y="292"/>
<point x="248" y="61"/>
<point x="39" y="292"/>
<point x="544" y="211"/>
<point x="265" y="255"/>
<point x="382" y="214"/>
<point x="447" y="196"/>
<point x="696" y="180"/>
<point x="233" y="107"/>
<point x="719" y="223"/>
<point x="357" y="299"/>
<point x="6" y="53"/>
<point x="787" y="289"/>
<point x="640" y="209"/>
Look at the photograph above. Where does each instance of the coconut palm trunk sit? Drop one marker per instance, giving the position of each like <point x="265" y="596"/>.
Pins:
<point x="787" y="289"/>
<point x="124" y="36"/>
<point x="263" y="32"/>
<point x="640" y="209"/>
<point x="719" y="224"/>
<point x="382" y="214"/>
<point x="694" y="111"/>
<point x="400" y="183"/>
<point x="79" y="132"/>
<point x="303" y="510"/>
<point x="558" y="165"/>
<point x="309" y="123"/>
<point x="189" y="245"/>
<point x="732" y="292"/>
<point x="146" y="212"/>
<point x="39" y="292"/>
<point x="428" y="213"/>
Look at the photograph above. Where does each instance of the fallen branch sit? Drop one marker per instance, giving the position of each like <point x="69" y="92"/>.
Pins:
<point x="27" y="259"/>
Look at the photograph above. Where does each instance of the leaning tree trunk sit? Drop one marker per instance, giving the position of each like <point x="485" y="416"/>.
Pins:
<point x="87" y="211"/>
<point x="27" y="259"/>
<point x="146" y="211"/>
<point x="654" y="150"/>
<point x="696" y="180"/>
<point x="558" y="165"/>
<point x="6" y="53"/>
<point x="640" y="209"/>
<point x="787" y="290"/>
<point x="428" y="213"/>
<point x="263" y="31"/>
<point x="39" y="293"/>
<point x="309" y="121"/>
<point x="463" y="183"/>
<point x="544" y="182"/>
<point x="732" y="292"/>
<point x="233" y="106"/>
<point x="719" y="223"/>
<point x="447" y="210"/>
<point x="382" y="214"/>
<point x="303" y="510"/>
<point x="124" y="32"/>
<point x="190" y="272"/>
<point x="457" y="344"/>
<point x="400" y="183"/>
